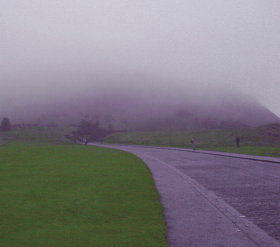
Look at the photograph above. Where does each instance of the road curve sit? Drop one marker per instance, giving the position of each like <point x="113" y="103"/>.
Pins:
<point x="214" y="201"/>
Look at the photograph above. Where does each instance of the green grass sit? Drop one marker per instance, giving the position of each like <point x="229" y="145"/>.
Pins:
<point x="261" y="151"/>
<point x="263" y="140"/>
<point x="37" y="134"/>
<point x="70" y="195"/>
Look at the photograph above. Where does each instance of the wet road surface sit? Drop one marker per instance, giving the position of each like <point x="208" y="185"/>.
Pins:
<point x="213" y="200"/>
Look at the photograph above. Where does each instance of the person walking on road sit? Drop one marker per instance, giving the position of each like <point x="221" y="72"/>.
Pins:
<point x="193" y="142"/>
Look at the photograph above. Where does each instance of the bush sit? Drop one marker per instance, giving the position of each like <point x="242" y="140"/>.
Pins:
<point x="5" y="125"/>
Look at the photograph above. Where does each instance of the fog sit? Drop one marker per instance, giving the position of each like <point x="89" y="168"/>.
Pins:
<point x="64" y="56"/>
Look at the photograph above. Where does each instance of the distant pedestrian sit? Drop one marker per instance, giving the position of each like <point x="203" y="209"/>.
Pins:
<point x="193" y="142"/>
<point x="237" y="141"/>
<point x="85" y="140"/>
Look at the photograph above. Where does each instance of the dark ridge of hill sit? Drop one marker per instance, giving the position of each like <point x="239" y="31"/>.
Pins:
<point x="216" y="117"/>
<point x="174" y="112"/>
<point x="152" y="109"/>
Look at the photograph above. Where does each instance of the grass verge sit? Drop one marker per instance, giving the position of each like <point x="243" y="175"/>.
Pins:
<point x="67" y="195"/>
<point x="261" y="151"/>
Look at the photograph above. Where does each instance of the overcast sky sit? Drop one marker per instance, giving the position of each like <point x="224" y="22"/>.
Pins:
<point x="58" y="47"/>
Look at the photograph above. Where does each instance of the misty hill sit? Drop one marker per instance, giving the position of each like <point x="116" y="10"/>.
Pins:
<point x="169" y="110"/>
<point x="145" y="106"/>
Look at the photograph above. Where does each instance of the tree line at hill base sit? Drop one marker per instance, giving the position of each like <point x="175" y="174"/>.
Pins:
<point x="89" y="132"/>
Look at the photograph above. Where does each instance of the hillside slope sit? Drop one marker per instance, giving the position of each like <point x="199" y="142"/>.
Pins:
<point x="164" y="111"/>
<point x="266" y="135"/>
<point x="147" y="107"/>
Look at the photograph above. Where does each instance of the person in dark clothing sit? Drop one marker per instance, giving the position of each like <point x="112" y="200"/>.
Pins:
<point x="237" y="141"/>
<point x="193" y="142"/>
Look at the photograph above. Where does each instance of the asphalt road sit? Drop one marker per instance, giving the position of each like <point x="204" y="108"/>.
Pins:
<point x="214" y="200"/>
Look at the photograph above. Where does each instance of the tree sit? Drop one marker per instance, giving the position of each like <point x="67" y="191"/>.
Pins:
<point x="5" y="125"/>
<point x="90" y="131"/>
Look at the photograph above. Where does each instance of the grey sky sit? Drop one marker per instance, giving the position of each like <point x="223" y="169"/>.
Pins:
<point x="57" y="47"/>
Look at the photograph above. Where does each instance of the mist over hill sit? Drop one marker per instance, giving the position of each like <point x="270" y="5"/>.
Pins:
<point x="140" y="65"/>
<point x="158" y="110"/>
<point x="144" y="106"/>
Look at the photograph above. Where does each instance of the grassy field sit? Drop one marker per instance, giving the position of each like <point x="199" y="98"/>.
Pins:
<point x="70" y="195"/>
<point x="263" y="140"/>
<point x="37" y="134"/>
